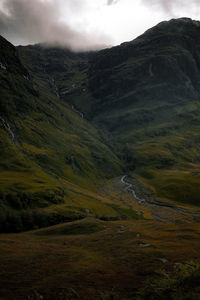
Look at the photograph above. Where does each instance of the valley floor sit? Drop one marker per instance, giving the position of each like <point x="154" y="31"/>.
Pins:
<point x="95" y="259"/>
<point x="129" y="192"/>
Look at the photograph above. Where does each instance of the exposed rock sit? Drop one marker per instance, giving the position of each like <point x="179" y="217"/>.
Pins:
<point x="164" y="260"/>
<point x="142" y="245"/>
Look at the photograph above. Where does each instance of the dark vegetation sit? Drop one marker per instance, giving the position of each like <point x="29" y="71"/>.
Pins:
<point x="94" y="259"/>
<point x="11" y="221"/>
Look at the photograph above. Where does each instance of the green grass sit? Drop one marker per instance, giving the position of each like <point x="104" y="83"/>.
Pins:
<point x="165" y="149"/>
<point x="125" y="213"/>
<point x="79" y="228"/>
<point x="180" y="185"/>
<point x="52" y="143"/>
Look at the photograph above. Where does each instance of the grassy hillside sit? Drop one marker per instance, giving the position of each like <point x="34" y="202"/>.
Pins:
<point x="147" y="95"/>
<point x="43" y="141"/>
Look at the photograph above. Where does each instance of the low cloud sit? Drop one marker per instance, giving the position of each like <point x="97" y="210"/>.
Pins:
<point x="28" y="22"/>
<point x="111" y="2"/>
<point x="172" y="6"/>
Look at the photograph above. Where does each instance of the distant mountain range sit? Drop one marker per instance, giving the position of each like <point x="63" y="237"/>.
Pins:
<point x="69" y="121"/>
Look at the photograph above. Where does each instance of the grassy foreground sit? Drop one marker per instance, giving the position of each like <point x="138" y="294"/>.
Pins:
<point x="93" y="259"/>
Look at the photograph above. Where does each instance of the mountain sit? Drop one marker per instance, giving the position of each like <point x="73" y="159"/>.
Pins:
<point x="147" y="95"/>
<point x="70" y="121"/>
<point x="44" y="142"/>
<point x="102" y="149"/>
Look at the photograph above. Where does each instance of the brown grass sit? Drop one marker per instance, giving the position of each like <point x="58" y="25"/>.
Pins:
<point x="93" y="264"/>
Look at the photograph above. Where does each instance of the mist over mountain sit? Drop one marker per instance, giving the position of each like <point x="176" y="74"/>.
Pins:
<point x="170" y="6"/>
<point x="30" y="22"/>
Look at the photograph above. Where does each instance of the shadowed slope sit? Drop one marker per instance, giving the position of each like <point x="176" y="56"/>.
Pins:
<point x="43" y="141"/>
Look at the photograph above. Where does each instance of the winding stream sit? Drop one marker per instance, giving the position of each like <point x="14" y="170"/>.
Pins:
<point x="160" y="212"/>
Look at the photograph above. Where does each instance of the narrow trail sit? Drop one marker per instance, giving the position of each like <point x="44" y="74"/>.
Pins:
<point x="159" y="211"/>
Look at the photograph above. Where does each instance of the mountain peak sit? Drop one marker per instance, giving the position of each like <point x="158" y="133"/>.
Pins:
<point x="180" y="22"/>
<point x="175" y="25"/>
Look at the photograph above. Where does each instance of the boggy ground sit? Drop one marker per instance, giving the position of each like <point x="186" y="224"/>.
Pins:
<point x="95" y="259"/>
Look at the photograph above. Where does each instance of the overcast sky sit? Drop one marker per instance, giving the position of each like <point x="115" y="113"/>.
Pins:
<point x="87" y="24"/>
